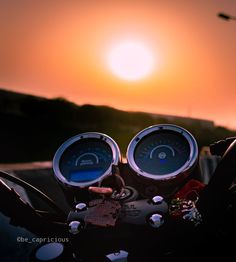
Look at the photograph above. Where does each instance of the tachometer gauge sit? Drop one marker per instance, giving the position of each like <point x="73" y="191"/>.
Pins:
<point x="162" y="153"/>
<point x="85" y="159"/>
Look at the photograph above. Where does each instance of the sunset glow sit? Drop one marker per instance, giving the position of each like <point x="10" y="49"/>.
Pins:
<point x="165" y="57"/>
<point x="131" y="60"/>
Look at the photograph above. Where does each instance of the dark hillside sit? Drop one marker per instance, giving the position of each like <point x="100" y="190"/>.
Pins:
<point x="33" y="127"/>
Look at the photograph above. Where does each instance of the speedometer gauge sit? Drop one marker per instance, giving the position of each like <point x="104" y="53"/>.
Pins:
<point x="85" y="159"/>
<point x="162" y="153"/>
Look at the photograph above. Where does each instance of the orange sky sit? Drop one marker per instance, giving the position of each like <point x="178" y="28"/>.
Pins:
<point x="59" y="48"/>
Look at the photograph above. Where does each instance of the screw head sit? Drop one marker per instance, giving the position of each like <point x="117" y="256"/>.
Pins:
<point x="74" y="227"/>
<point x="81" y="207"/>
<point x="156" y="220"/>
<point x="157" y="200"/>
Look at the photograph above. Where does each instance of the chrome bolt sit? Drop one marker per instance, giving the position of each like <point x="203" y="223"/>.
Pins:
<point x="74" y="227"/>
<point x="156" y="220"/>
<point x="81" y="207"/>
<point x="157" y="200"/>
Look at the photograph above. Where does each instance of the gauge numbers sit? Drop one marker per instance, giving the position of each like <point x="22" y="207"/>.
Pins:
<point x="86" y="160"/>
<point x="162" y="152"/>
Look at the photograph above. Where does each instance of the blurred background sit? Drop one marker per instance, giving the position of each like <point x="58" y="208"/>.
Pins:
<point x="115" y="67"/>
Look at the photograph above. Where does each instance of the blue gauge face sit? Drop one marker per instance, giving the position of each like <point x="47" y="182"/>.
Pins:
<point x="85" y="160"/>
<point x="162" y="152"/>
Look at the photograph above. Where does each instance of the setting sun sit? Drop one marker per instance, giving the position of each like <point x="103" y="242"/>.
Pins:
<point x="100" y="52"/>
<point x="131" y="60"/>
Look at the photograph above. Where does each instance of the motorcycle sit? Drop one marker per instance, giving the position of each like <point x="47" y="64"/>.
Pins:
<point x="151" y="206"/>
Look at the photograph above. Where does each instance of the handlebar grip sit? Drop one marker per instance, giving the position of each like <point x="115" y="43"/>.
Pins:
<point x="218" y="148"/>
<point x="213" y="198"/>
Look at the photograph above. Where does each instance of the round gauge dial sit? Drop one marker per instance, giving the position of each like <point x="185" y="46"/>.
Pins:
<point x="86" y="160"/>
<point x="162" y="152"/>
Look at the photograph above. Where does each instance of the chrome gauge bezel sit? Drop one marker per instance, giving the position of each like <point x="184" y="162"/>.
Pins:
<point x="116" y="156"/>
<point x="188" y="165"/>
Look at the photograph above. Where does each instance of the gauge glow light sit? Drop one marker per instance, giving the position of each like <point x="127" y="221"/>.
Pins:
<point x="85" y="159"/>
<point x="131" y="60"/>
<point x="162" y="152"/>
